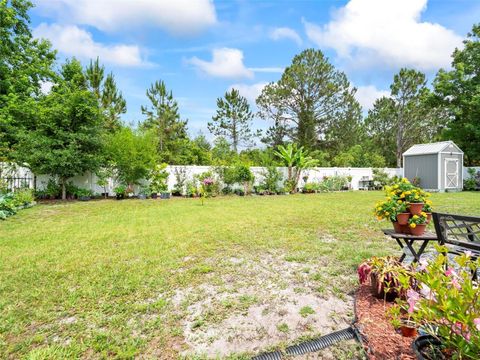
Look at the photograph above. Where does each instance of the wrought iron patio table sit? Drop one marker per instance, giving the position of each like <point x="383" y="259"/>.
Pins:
<point x="406" y="240"/>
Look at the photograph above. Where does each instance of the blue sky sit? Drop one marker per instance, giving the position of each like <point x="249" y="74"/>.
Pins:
<point x="202" y="48"/>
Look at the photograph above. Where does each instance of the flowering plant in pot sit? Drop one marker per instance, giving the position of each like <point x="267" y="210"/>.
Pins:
<point x="417" y="224"/>
<point x="387" y="276"/>
<point x="427" y="209"/>
<point x="447" y="305"/>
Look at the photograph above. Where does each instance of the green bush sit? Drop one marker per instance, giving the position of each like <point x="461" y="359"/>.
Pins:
<point x="380" y="177"/>
<point x="473" y="181"/>
<point x="10" y="203"/>
<point x="271" y="179"/>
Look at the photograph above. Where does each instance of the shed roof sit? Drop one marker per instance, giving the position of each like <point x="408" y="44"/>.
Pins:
<point x="432" y="148"/>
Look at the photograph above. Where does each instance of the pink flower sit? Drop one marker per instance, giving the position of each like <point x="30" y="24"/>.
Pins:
<point x="476" y="321"/>
<point x="468" y="253"/>
<point x="423" y="265"/>
<point x="456" y="284"/>
<point x="450" y="271"/>
<point x="412" y="298"/>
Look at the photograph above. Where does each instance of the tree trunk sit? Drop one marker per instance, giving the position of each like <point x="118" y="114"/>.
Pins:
<point x="400" y="140"/>
<point x="64" y="189"/>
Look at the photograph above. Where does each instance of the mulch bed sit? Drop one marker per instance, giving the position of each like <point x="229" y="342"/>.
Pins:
<point x="380" y="339"/>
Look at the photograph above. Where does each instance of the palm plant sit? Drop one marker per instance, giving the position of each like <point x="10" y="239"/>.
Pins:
<point x="295" y="159"/>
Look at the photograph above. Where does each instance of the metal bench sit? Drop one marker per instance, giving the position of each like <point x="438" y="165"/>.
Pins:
<point x="459" y="234"/>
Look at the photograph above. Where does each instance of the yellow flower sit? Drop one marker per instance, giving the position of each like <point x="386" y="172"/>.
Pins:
<point x="415" y="217"/>
<point x="395" y="186"/>
<point x="399" y="201"/>
<point x="379" y="208"/>
<point x="408" y="192"/>
<point x="402" y="195"/>
<point x="413" y="225"/>
<point x="388" y="198"/>
<point x="379" y="218"/>
<point x="417" y="197"/>
<point x="387" y="213"/>
<point x="424" y="214"/>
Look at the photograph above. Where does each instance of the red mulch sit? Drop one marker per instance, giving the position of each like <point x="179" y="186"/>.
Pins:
<point x="380" y="338"/>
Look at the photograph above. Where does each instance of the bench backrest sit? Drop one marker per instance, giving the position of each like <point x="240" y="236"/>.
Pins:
<point x="458" y="230"/>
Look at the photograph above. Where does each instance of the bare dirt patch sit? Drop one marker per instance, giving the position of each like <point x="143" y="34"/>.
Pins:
<point x="259" y="303"/>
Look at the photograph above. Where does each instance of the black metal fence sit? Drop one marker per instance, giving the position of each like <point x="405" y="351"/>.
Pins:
<point x="13" y="183"/>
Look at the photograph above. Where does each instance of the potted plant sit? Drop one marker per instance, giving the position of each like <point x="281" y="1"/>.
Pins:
<point x="84" y="194"/>
<point x="427" y="209"/>
<point x="387" y="276"/>
<point x="416" y="200"/>
<point x="404" y="325"/>
<point x="446" y="305"/>
<point x="417" y="224"/>
<point x="120" y="192"/>
<point x="144" y="192"/>
<point x="389" y="210"/>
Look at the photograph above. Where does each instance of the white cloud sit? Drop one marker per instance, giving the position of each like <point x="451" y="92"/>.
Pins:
<point x="286" y="33"/>
<point x="182" y="17"/>
<point x="250" y="92"/>
<point x="74" y="41"/>
<point x="366" y="95"/>
<point x="267" y="69"/>
<point x="388" y="32"/>
<point x="226" y="63"/>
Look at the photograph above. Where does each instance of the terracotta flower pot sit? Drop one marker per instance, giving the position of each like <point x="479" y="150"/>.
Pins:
<point x="418" y="230"/>
<point x="408" y="329"/>
<point x="429" y="217"/>
<point x="402" y="218"/>
<point x="397" y="227"/>
<point x="405" y="229"/>
<point x="416" y="208"/>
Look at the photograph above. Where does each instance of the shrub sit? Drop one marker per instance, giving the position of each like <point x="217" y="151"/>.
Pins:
<point x="208" y="184"/>
<point x="473" y="181"/>
<point x="449" y="308"/>
<point x="380" y="177"/>
<point x="244" y="176"/>
<point x="271" y="178"/>
<point x="158" y="179"/>
<point x="10" y="203"/>
<point x="180" y="180"/>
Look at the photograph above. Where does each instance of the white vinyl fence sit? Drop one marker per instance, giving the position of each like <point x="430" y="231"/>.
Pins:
<point x="89" y="180"/>
<point x="19" y="176"/>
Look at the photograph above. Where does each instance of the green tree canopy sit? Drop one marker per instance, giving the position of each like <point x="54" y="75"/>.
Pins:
<point x="233" y="120"/>
<point x="66" y="139"/>
<point x="163" y="118"/>
<point x="25" y="64"/>
<point x="133" y="154"/>
<point x="310" y="105"/>
<point x="458" y="91"/>
<point x="404" y="118"/>
<point x="110" y="99"/>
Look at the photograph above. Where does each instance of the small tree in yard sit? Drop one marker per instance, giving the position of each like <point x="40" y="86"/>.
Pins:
<point x="296" y="159"/>
<point x="244" y="176"/>
<point x="66" y="139"/>
<point x="133" y="154"/>
<point x="233" y="120"/>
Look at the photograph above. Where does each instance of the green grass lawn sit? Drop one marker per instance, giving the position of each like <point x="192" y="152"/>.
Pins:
<point x="98" y="279"/>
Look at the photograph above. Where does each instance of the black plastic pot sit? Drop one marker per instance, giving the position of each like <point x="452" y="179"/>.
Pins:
<point x="120" y="196"/>
<point x="142" y="196"/>
<point x="153" y="195"/>
<point x="165" y="195"/>
<point x="422" y="342"/>
<point x="84" y="198"/>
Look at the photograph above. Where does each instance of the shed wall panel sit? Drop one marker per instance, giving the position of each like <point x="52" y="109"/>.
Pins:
<point x="423" y="166"/>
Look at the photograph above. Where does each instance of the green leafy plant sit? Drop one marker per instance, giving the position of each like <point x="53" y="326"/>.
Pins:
<point x="158" y="179"/>
<point x="447" y="303"/>
<point x="271" y="178"/>
<point x="120" y="190"/>
<point x="416" y="220"/>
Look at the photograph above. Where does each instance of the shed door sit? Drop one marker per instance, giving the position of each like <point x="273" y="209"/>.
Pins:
<point x="451" y="173"/>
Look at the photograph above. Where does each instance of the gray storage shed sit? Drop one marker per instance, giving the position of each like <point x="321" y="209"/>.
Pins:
<point x="439" y="166"/>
